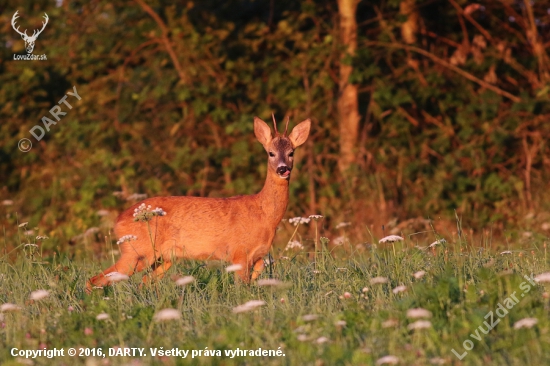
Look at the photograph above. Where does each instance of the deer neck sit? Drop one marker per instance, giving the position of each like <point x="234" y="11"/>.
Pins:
<point x="273" y="198"/>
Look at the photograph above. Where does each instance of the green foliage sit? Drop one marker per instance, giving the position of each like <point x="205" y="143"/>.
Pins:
<point x="178" y="120"/>
<point x="357" y="321"/>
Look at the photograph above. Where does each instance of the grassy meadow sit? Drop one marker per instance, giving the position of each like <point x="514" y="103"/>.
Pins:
<point x="400" y="302"/>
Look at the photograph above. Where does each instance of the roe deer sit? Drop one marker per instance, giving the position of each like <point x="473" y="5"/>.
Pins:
<point x="237" y="229"/>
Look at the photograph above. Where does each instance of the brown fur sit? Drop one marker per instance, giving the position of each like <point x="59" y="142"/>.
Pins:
<point x="238" y="229"/>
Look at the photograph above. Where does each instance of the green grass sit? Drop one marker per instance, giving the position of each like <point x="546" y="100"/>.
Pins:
<point x="461" y="285"/>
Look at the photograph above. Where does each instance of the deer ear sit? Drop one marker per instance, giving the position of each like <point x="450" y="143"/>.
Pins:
<point x="300" y="133"/>
<point x="262" y="131"/>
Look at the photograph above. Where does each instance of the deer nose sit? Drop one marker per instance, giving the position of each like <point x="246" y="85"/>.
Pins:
<point x="282" y="170"/>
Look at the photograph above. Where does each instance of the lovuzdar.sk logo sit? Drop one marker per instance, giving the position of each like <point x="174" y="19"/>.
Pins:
<point x="29" y="40"/>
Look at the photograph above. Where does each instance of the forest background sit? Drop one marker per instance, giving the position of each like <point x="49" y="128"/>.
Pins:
<point x="434" y="109"/>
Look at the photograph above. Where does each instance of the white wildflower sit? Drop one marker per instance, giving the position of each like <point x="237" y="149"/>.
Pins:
<point x="390" y="323"/>
<point x="387" y="360"/>
<point x="102" y="316"/>
<point x="39" y="295"/>
<point x="420" y="324"/>
<point x="399" y="289"/>
<point x="31" y="245"/>
<point x="418" y="313"/>
<point x="186" y="280"/>
<point x="310" y="317"/>
<point x="167" y="314"/>
<point x="7" y="202"/>
<point x="126" y="238"/>
<point x="136" y="197"/>
<point x="437" y="242"/>
<point x="390" y="239"/>
<point x="145" y="212"/>
<point x="159" y="212"/>
<point x="418" y="275"/>
<point x="114" y="277"/>
<point x="321" y="340"/>
<point x="543" y="277"/>
<point x="525" y="323"/>
<point x="248" y="306"/>
<point x="269" y="282"/>
<point x="378" y="280"/>
<point x="23" y="224"/>
<point x="316" y="217"/>
<point x="299" y="220"/>
<point x="233" y="268"/>
<point x="294" y="245"/>
<point x="342" y="225"/>
<point x="506" y="252"/>
<point x="7" y="307"/>
<point x="339" y="240"/>
<point x="42" y="237"/>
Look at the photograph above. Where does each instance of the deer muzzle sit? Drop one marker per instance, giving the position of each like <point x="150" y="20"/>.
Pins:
<point x="283" y="171"/>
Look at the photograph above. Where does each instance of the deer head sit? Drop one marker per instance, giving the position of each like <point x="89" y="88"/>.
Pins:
<point x="29" y="41"/>
<point x="280" y="147"/>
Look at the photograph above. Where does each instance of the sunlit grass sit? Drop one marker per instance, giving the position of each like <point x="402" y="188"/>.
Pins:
<point x="392" y="302"/>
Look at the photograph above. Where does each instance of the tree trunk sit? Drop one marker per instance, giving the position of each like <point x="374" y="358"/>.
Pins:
<point x="348" y="112"/>
<point x="410" y="27"/>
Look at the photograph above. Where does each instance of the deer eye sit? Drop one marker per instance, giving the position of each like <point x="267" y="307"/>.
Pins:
<point x="291" y="154"/>
<point x="271" y="154"/>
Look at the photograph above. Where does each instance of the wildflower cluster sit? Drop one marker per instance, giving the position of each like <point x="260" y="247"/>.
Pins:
<point x="294" y="245"/>
<point x="167" y="314"/>
<point x="299" y="220"/>
<point x="185" y="280"/>
<point x="437" y="242"/>
<point x="248" y="306"/>
<point x="144" y="213"/>
<point x="390" y="239"/>
<point x="126" y="238"/>
<point x="343" y="225"/>
<point x="136" y="197"/>
<point x="270" y="282"/>
<point x="115" y="277"/>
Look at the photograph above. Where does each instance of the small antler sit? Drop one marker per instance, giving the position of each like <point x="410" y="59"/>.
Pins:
<point x="274" y="123"/>
<point x="15" y="16"/>
<point x="43" y="26"/>
<point x="286" y="126"/>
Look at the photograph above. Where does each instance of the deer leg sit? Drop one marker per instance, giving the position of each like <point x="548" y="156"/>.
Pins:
<point x="258" y="268"/>
<point x="127" y="264"/>
<point x="242" y="274"/>
<point x="159" y="270"/>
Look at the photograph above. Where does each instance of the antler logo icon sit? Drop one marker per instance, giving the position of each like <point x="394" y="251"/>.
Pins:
<point x="29" y="41"/>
